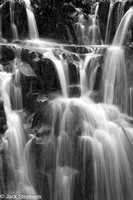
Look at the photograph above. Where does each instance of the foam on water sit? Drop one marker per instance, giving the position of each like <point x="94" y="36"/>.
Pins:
<point x="107" y="137"/>
<point x="115" y="84"/>
<point x="14" y="143"/>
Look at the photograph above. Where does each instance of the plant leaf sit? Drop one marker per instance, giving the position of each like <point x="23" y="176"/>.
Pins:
<point x="25" y="68"/>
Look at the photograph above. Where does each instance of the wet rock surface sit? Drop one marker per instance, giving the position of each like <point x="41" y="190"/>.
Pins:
<point x="40" y="86"/>
<point x="2" y="119"/>
<point x="38" y="73"/>
<point x="103" y="17"/>
<point x="54" y="20"/>
<point x="57" y="20"/>
<point x="7" y="53"/>
<point x="20" y="19"/>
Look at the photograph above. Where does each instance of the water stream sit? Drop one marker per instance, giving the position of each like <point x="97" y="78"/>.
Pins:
<point x="83" y="149"/>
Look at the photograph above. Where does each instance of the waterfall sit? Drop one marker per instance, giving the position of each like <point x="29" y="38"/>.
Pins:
<point x="14" y="144"/>
<point x="122" y="30"/>
<point x="107" y="37"/>
<point x="33" y="30"/>
<point x="115" y="78"/>
<point x="13" y="26"/>
<point x="115" y="82"/>
<point x="62" y="146"/>
<point x="102" y="140"/>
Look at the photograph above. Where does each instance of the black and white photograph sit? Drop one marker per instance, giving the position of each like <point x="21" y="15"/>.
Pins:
<point x="66" y="99"/>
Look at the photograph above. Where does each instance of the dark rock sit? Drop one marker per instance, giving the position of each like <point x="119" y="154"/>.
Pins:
<point x="17" y="41"/>
<point x="1" y="106"/>
<point x="21" y="20"/>
<point x="98" y="79"/>
<point x="47" y="75"/>
<point x="78" y="49"/>
<point x="25" y="56"/>
<point x="43" y="131"/>
<point x="6" y="21"/>
<point x="46" y="80"/>
<point x="2" y="118"/>
<point x="44" y="186"/>
<point x="2" y="125"/>
<point x="103" y="17"/>
<point x="73" y="74"/>
<point x="29" y="85"/>
<point x="62" y="30"/>
<point x="7" y="53"/>
<point x="86" y="8"/>
<point x="43" y="114"/>
<point x="68" y="8"/>
<point x="115" y="22"/>
<point x="87" y="169"/>
<point x="74" y="91"/>
<point x="127" y="5"/>
<point x="72" y="34"/>
<point x="2" y="173"/>
<point x="31" y="103"/>
<point x="78" y="190"/>
<point x="77" y="158"/>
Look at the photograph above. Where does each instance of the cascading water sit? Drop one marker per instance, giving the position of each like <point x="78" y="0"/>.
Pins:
<point x="115" y="81"/>
<point x="14" y="143"/>
<point x="33" y="30"/>
<point x="83" y="150"/>
<point x="88" y="72"/>
<point x="122" y="31"/>
<point x="102" y="139"/>
<point x="94" y="32"/>
<point x="115" y="78"/>
<point x="120" y="12"/>
<point x="107" y="36"/>
<point x="60" y="68"/>
<point x="14" y="28"/>
<point x="0" y="24"/>
<point x="82" y="29"/>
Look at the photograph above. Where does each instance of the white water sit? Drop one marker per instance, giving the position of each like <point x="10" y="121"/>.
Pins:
<point x="115" y="82"/>
<point x="104" y="138"/>
<point x="14" y="143"/>
<point x="122" y="32"/>
<point x="33" y="30"/>
<point x="61" y="69"/>
<point x="83" y="75"/>
<point x="120" y="12"/>
<point x="13" y="26"/>
<point x="88" y="71"/>
<point x="16" y="91"/>
<point x="105" y="135"/>
<point x="82" y="29"/>
<point x="107" y="36"/>
<point x="115" y="78"/>
<point x="64" y="183"/>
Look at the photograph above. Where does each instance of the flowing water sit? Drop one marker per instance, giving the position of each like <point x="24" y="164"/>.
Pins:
<point x="88" y="153"/>
<point x="115" y="78"/>
<point x="14" y="144"/>
<point x="33" y="30"/>
<point x="13" y="26"/>
<point x="115" y="82"/>
<point x="107" y="37"/>
<point x="88" y="72"/>
<point x="123" y="28"/>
